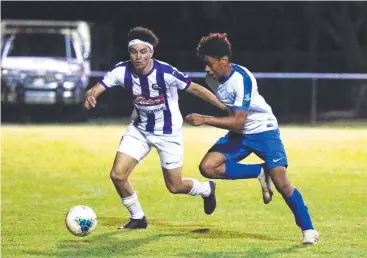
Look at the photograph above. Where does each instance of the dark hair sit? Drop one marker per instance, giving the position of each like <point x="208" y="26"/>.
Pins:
<point x="215" y="45"/>
<point x="143" y="34"/>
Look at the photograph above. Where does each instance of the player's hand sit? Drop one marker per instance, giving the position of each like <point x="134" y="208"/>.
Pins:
<point x="195" y="119"/>
<point x="90" y="100"/>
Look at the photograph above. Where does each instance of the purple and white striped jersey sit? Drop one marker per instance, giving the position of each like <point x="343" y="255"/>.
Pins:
<point x="154" y="95"/>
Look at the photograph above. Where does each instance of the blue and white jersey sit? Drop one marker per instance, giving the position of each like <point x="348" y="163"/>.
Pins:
<point x="154" y="95"/>
<point x="239" y="91"/>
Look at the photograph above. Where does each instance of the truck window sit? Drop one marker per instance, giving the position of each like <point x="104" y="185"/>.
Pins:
<point x="40" y="45"/>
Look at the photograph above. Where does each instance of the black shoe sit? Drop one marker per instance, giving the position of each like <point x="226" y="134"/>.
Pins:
<point x="135" y="224"/>
<point x="210" y="202"/>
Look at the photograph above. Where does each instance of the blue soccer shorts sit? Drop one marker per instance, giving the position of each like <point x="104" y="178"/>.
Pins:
<point x="268" y="146"/>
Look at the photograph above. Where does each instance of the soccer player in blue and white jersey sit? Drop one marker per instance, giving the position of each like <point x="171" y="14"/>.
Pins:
<point x="153" y="86"/>
<point x="253" y="128"/>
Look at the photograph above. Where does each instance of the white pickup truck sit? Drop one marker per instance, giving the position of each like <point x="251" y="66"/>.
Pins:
<point x="45" y="63"/>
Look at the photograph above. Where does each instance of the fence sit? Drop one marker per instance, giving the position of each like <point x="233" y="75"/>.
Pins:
<point x="314" y="77"/>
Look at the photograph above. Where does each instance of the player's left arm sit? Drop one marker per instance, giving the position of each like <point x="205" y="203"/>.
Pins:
<point x="206" y="95"/>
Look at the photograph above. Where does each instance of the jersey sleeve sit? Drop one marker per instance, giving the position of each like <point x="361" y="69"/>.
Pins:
<point x="243" y="93"/>
<point x="114" y="77"/>
<point x="175" y="78"/>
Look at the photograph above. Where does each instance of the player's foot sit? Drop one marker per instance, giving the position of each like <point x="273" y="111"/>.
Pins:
<point x="135" y="224"/>
<point x="210" y="202"/>
<point x="310" y="236"/>
<point x="266" y="186"/>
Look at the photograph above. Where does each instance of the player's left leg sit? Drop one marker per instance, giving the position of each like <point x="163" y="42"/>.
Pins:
<point x="295" y="202"/>
<point x="170" y="150"/>
<point x="268" y="146"/>
<point x="178" y="185"/>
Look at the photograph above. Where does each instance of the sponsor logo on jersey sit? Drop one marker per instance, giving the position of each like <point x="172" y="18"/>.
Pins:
<point x="142" y="100"/>
<point x="150" y="104"/>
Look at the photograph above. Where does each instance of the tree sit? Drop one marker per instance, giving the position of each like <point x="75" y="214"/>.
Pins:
<point x="346" y="23"/>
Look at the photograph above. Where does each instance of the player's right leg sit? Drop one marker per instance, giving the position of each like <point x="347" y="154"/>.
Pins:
<point x="221" y="162"/>
<point x="132" y="149"/>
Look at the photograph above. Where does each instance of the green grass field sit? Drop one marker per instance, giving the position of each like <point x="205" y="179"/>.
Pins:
<point x="48" y="169"/>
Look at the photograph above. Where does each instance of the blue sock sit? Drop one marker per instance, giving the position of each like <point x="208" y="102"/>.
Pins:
<point x="300" y="210"/>
<point x="236" y="170"/>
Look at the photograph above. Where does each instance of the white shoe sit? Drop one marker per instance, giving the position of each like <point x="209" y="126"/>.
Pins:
<point x="310" y="236"/>
<point x="266" y="187"/>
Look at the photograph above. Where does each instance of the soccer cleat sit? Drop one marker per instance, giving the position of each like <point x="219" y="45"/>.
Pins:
<point x="266" y="187"/>
<point x="310" y="236"/>
<point x="135" y="224"/>
<point x="210" y="202"/>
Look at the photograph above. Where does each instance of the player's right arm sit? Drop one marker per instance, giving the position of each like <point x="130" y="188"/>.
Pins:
<point x="92" y="94"/>
<point x="238" y="116"/>
<point x="234" y="122"/>
<point x="111" y="79"/>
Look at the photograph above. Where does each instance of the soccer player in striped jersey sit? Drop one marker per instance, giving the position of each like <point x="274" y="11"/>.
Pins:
<point x="153" y="86"/>
<point x="253" y="128"/>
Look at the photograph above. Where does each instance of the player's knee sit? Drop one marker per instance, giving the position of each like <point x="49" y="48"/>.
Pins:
<point x="281" y="181"/>
<point x="174" y="189"/>
<point x="206" y="169"/>
<point x="284" y="187"/>
<point x="118" y="175"/>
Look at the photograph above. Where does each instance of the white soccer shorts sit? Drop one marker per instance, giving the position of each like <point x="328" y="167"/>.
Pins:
<point x="137" y="145"/>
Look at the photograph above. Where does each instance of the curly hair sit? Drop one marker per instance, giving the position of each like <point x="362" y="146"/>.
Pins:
<point x="143" y="34"/>
<point x="215" y="45"/>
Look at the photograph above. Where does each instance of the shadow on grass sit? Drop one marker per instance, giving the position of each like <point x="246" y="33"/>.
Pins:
<point x="109" y="243"/>
<point x="102" y="245"/>
<point x="205" y="232"/>
<point x="252" y="253"/>
<point x="152" y="223"/>
<point x="112" y="221"/>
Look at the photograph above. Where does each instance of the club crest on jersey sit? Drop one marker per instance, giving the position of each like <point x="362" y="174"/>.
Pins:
<point x="156" y="87"/>
<point x="247" y="97"/>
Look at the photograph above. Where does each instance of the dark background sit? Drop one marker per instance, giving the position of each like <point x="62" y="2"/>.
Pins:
<point x="265" y="36"/>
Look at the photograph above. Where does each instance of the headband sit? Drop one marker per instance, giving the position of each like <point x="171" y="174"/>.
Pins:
<point x="136" y="41"/>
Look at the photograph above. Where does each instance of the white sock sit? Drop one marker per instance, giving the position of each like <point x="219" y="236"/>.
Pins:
<point x="199" y="188"/>
<point x="133" y="205"/>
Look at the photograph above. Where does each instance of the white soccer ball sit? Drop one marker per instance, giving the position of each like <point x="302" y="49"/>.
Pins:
<point x="81" y="220"/>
